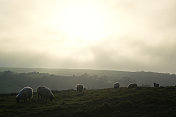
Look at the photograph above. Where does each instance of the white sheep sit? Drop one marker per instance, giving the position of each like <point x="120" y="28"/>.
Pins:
<point x="25" y="94"/>
<point x="79" y="87"/>
<point x="134" y="85"/>
<point x="116" y="85"/>
<point x="45" y="93"/>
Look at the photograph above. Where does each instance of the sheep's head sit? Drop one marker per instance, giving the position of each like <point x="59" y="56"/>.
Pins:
<point x="51" y="96"/>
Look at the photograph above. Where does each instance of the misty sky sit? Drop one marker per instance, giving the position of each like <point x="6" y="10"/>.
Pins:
<point x="129" y="35"/>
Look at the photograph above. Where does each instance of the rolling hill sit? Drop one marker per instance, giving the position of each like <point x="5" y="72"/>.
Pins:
<point x="13" y="79"/>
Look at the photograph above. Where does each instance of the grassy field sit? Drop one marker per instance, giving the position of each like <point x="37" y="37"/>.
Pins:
<point x="123" y="102"/>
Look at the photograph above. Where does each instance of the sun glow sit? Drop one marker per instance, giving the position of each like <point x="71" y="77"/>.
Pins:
<point x="83" y="21"/>
<point x="77" y="27"/>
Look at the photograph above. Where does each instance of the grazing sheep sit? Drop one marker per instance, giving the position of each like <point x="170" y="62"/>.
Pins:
<point x="79" y="87"/>
<point x="116" y="85"/>
<point x="156" y="85"/>
<point x="134" y="85"/>
<point x="45" y="93"/>
<point x="24" y="94"/>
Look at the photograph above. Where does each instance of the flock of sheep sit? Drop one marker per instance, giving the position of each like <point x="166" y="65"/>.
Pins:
<point x="117" y="85"/>
<point x="133" y="85"/>
<point x="27" y="93"/>
<point x="44" y="93"/>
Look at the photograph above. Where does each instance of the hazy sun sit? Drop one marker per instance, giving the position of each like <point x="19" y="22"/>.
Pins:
<point x="83" y="21"/>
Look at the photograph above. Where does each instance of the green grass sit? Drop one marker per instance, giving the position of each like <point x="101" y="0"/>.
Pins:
<point x="123" y="102"/>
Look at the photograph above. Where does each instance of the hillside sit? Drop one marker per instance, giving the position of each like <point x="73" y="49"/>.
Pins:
<point x="123" y="102"/>
<point x="13" y="81"/>
<point x="66" y="72"/>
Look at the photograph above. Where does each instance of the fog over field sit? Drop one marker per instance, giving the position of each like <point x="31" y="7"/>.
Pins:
<point x="103" y="34"/>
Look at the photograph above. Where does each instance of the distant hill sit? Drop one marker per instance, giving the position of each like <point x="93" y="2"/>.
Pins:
<point x="13" y="79"/>
<point x="65" y="72"/>
<point x="123" y="102"/>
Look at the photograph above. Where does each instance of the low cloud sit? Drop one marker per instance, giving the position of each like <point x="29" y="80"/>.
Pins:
<point x="139" y="35"/>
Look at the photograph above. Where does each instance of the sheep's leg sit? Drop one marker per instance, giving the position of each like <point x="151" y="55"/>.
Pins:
<point x="45" y="99"/>
<point x="41" y="97"/>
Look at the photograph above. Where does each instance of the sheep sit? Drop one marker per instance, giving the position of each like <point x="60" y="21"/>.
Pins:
<point x="79" y="87"/>
<point x="116" y="85"/>
<point x="24" y="94"/>
<point x="156" y="85"/>
<point x="134" y="85"/>
<point x="45" y="93"/>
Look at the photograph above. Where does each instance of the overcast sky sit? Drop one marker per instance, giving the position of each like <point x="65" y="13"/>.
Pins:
<point x="131" y="35"/>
